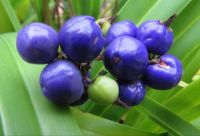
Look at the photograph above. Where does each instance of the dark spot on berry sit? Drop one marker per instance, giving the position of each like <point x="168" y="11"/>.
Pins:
<point x="117" y="60"/>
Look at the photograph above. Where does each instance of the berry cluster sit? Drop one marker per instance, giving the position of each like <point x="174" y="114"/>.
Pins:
<point x="134" y="56"/>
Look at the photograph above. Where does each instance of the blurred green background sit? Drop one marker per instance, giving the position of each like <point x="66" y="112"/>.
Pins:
<point x="24" y="111"/>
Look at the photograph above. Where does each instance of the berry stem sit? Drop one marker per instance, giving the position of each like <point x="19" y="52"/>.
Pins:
<point x="98" y="58"/>
<point x="70" y="8"/>
<point x="108" y="8"/>
<point x="45" y="11"/>
<point x="112" y="19"/>
<point x="170" y="20"/>
<point x="121" y="103"/>
<point x="84" y="68"/>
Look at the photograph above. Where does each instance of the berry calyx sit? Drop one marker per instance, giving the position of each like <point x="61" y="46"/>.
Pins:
<point x="37" y="43"/>
<point x="104" y="90"/>
<point x="81" y="39"/>
<point x="61" y="82"/>
<point x="170" y="20"/>
<point x="132" y="93"/>
<point x="165" y="74"/>
<point x="126" y="58"/>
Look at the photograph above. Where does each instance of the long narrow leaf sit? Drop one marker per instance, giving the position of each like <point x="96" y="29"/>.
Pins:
<point x="167" y="119"/>
<point x="8" y="21"/>
<point x="102" y="126"/>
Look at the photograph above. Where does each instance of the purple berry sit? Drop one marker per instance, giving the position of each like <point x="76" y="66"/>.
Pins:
<point x="61" y="82"/>
<point x="126" y="58"/>
<point x="81" y="39"/>
<point x="157" y="37"/>
<point x="37" y="43"/>
<point x="123" y="28"/>
<point x="132" y="93"/>
<point x="165" y="74"/>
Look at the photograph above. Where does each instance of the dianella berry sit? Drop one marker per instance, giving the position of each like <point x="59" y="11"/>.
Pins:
<point x="126" y="58"/>
<point x="81" y="39"/>
<point x="132" y="93"/>
<point x="122" y="28"/>
<point x="61" y="82"/>
<point x="156" y="36"/>
<point x="37" y="43"/>
<point x="164" y="74"/>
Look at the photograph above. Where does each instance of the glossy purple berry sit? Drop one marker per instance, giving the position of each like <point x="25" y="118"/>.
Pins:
<point x="157" y="37"/>
<point x="61" y="82"/>
<point x="81" y="39"/>
<point x="126" y="58"/>
<point x="132" y="93"/>
<point x="122" y="28"/>
<point x="165" y="74"/>
<point x="37" y="43"/>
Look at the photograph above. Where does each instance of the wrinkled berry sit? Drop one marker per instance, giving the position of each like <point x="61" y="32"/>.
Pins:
<point x="165" y="74"/>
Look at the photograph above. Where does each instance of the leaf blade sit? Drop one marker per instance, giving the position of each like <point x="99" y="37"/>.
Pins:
<point x="167" y="119"/>
<point x="9" y="21"/>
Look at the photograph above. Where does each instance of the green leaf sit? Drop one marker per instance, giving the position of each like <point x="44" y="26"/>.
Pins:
<point x="93" y="7"/>
<point x="1" y="127"/>
<point x="89" y="133"/>
<point x="154" y="9"/>
<point x="22" y="8"/>
<point x="167" y="119"/>
<point x="186" y="30"/>
<point x="37" y="5"/>
<point x="130" y="9"/>
<point x="24" y="110"/>
<point x="196" y="76"/>
<point x="76" y="5"/>
<point x="120" y="3"/>
<point x="102" y="126"/>
<point x="184" y="97"/>
<point x="110" y="112"/>
<point x="8" y="21"/>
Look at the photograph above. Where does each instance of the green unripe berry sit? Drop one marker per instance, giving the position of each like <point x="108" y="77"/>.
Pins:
<point x="104" y="90"/>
